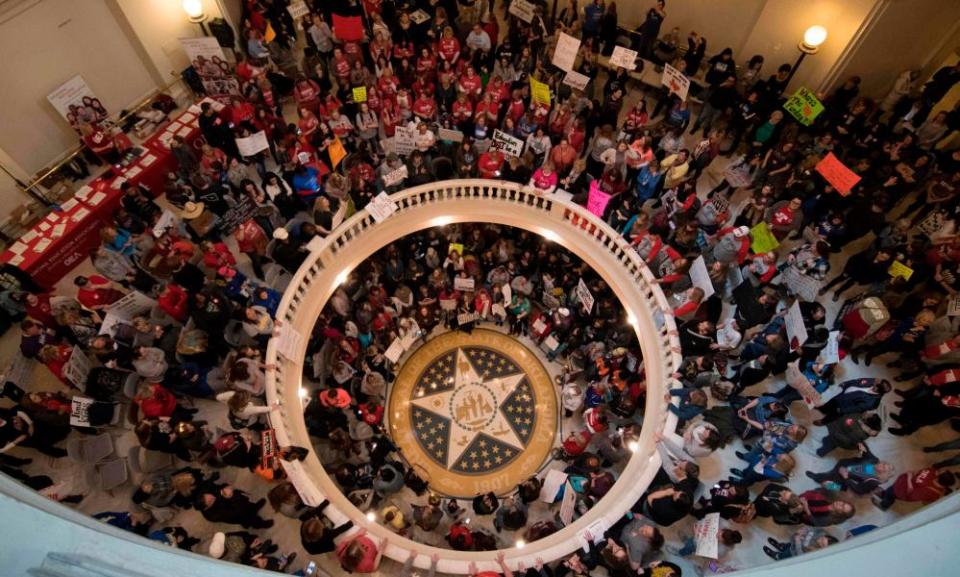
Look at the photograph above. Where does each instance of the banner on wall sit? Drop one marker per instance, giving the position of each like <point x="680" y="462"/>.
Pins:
<point x="215" y="71"/>
<point x="77" y="103"/>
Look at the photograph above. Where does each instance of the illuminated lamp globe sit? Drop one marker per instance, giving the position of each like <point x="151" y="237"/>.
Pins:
<point x="813" y="38"/>
<point x="194" y="10"/>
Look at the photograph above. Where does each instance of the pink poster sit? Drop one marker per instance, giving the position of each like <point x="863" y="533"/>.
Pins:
<point x="597" y="200"/>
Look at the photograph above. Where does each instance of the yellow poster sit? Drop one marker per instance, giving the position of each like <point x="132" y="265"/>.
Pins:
<point x="360" y="94"/>
<point x="540" y="92"/>
<point x="455" y="246"/>
<point x="269" y="35"/>
<point x="898" y="269"/>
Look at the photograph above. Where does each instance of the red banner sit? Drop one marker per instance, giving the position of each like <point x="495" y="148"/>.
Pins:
<point x="348" y="28"/>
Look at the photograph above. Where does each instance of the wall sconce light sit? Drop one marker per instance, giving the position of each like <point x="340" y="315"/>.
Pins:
<point x="194" y="10"/>
<point x="812" y="39"/>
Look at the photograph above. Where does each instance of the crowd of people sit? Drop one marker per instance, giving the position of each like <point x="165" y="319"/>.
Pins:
<point x="749" y="264"/>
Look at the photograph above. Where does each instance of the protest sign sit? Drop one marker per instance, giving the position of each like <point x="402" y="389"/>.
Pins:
<point x="762" y="240"/>
<point x="348" y="28"/>
<point x="77" y="103"/>
<point x="336" y="151"/>
<point x="597" y="200"/>
<point x="675" y="81"/>
<point x="381" y="207"/>
<point x="804" y="106"/>
<point x="404" y="140"/>
<point x="298" y="9"/>
<point x="706" y="533"/>
<point x="624" y="58"/>
<point x="80" y="411"/>
<point x="701" y="277"/>
<point x="466" y="318"/>
<point x="539" y="91"/>
<point x="131" y="305"/>
<point x="253" y="144"/>
<point x="522" y="9"/>
<point x="585" y="296"/>
<point x="551" y="485"/>
<point x="932" y="223"/>
<point x="565" y="54"/>
<point x="394" y="351"/>
<point x="449" y="135"/>
<point x="796" y="330"/>
<point x="837" y="174"/>
<point x="463" y="284"/>
<point x="506" y="143"/>
<point x="576" y="80"/>
<point x="395" y="177"/>
<point x="798" y="381"/>
<point x="289" y="342"/>
<point x="419" y="17"/>
<point x="898" y="269"/>
<point x="360" y="94"/>
<point x="167" y="221"/>
<point x="567" y="504"/>
<point x="830" y="355"/>
<point x="77" y="368"/>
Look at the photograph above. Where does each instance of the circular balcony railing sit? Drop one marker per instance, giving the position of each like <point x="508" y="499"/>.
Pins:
<point x="440" y="203"/>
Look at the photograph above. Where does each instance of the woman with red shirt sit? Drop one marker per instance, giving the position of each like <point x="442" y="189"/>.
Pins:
<point x="388" y="84"/>
<point x="341" y="67"/>
<point x="559" y="119"/>
<point x="96" y="292"/>
<point x="449" y="46"/>
<point x="426" y="65"/>
<point x="447" y="71"/>
<point x="424" y="107"/>
<point x="307" y="93"/>
<point x="577" y="135"/>
<point x="488" y="109"/>
<point x="490" y="164"/>
<point x="308" y="122"/>
<point x="462" y="111"/>
<point x="174" y="301"/>
<point x="360" y="554"/>
<point x="470" y="83"/>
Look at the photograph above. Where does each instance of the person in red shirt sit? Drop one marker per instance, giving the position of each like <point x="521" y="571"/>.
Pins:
<point x="38" y="308"/>
<point x="516" y="109"/>
<point x="462" y="111"/>
<point x="490" y="163"/>
<point x="307" y="94"/>
<point x="559" y="119"/>
<point x="96" y="292"/>
<point x="488" y="109"/>
<point x="174" y="301"/>
<point x="426" y="65"/>
<point x="341" y="67"/>
<point x="308" y="122"/>
<point x="449" y="46"/>
<point x="240" y="111"/>
<point x="388" y="84"/>
<point x="424" y="107"/>
<point x="923" y="486"/>
<point x="577" y="135"/>
<point x="423" y="85"/>
<point x="353" y="52"/>
<point x="470" y="84"/>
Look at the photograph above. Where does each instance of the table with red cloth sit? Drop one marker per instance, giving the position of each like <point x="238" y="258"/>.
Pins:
<point x="63" y="239"/>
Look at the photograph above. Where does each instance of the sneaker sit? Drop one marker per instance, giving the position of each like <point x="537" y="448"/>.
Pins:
<point x="741" y="455"/>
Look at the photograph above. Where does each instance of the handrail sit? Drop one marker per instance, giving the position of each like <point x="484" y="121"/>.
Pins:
<point x="446" y="202"/>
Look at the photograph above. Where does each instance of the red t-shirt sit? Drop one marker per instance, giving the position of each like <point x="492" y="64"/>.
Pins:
<point x="424" y="107"/>
<point x="919" y="486"/>
<point x="341" y="68"/>
<point x="449" y="49"/>
<point x="471" y="85"/>
<point x="489" y="165"/>
<point x="462" y="111"/>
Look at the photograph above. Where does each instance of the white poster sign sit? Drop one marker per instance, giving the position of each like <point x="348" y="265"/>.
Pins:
<point x="796" y="331"/>
<point x="132" y="304"/>
<point x="706" y="534"/>
<point x="289" y="341"/>
<point x="701" y="277"/>
<point x="953" y="306"/>
<point x="298" y="9"/>
<point x="568" y="503"/>
<point x="381" y="207"/>
<point x="253" y="144"/>
<point x="675" y="81"/>
<point x="77" y="103"/>
<point x="396" y="176"/>
<point x="830" y="355"/>
<point x="77" y="368"/>
<point x="565" y="54"/>
<point x="551" y="485"/>
<point x="585" y="296"/>
<point x="394" y="351"/>
<point x="167" y="221"/>
<point x="624" y="58"/>
<point x="404" y="140"/>
<point x="507" y="144"/>
<point x="523" y="10"/>
<point x="463" y="284"/>
<point x="576" y="80"/>
<point x="80" y="411"/>
<point x="419" y="17"/>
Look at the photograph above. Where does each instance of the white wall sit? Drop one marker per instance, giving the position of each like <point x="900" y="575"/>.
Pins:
<point x="42" y="48"/>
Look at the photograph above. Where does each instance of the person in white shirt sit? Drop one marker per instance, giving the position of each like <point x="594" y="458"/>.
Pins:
<point x="424" y="139"/>
<point x="478" y="40"/>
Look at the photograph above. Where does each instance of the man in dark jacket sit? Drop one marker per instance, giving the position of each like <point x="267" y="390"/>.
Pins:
<point x="856" y="396"/>
<point x="229" y="505"/>
<point x="850" y="432"/>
